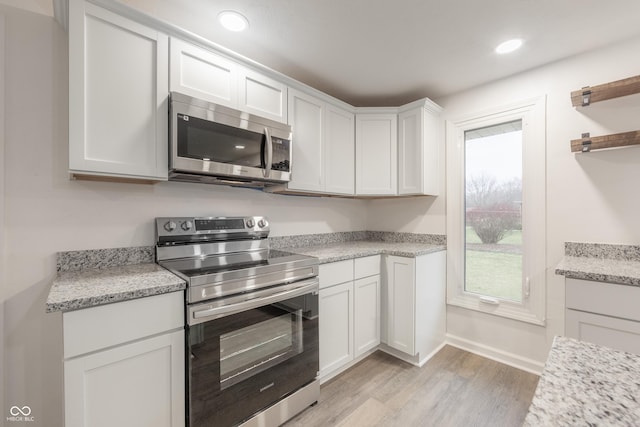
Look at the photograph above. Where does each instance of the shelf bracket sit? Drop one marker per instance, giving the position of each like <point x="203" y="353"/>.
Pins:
<point x="586" y="145"/>
<point x="586" y="96"/>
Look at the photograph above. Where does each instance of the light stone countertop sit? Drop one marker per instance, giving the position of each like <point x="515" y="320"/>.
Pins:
<point x="585" y="384"/>
<point x="357" y="249"/>
<point x="601" y="262"/>
<point x="73" y="290"/>
<point x="625" y="272"/>
<point x="95" y="277"/>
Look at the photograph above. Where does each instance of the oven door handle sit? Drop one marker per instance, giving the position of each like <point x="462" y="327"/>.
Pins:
<point x="252" y="300"/>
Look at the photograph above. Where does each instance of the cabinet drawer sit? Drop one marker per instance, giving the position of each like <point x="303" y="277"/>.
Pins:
<point x="603" y="298"/>
<point x="367" y="266"/>
<point x="104" y="326"/>
<point x="608" y="331"/>
<point x="336" y="272"/>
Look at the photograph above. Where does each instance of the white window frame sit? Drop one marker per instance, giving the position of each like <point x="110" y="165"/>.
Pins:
<point x="532" y="309"/>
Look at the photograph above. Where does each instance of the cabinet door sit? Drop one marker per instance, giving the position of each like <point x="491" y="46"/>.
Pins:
<point x="400" y="277"/>
<point x="410" y="156"/>
<point x="340" y="151"/>
<point x="336" y="322"/>
<point x="203" y="74"/>
<point x="366" y="323"/>
<point x="432" y="139"/>
<point x="136" y="384"/>
<point x="118" y="91"/>
<point x="261" y="95"/>
<point x="306" y="117"/>
<point x="612" y="332"/>
<point x="376" y="154"/>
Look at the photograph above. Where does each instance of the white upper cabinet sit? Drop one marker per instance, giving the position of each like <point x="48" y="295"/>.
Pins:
<point x="419" y="137"/>
<point x="376" y="154"/>
<point x="206" y="75"/>
<point x="203" y="74"/>
<point x="118" y="89"/>
<point x="323" y="146"/>
<point x="339" y="151"/>
<point x="261" y="95"/>
<point x="306" y="117"/>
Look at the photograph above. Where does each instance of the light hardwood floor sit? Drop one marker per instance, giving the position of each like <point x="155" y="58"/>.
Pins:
<point x="454" y="388"/>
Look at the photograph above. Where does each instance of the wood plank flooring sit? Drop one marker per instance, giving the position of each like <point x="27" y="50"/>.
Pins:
<point x="454" y="388"/>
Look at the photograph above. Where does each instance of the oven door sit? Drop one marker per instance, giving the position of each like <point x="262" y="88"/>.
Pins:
<point x="245" y="353"/>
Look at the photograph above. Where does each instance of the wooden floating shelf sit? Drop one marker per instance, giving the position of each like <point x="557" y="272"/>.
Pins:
<point x="587" y="143"/>
<point x="588" y="95"/>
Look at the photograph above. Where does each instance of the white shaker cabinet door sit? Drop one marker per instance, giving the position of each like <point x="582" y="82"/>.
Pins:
<point x="339" y="151"/>
<point x="306" y="117"/>
<point x="336" y="332"/>
<point x="400" y="276"/>
<point x="203" y="74"/>
<point x="376" y="154"/>
<point x="366" y="314"/>
<point x="118" y="95"/>
<point x="419" y="139"/>
<point x="410" y="169"/>
<point x="140" y="384"/>
<point x="262" y="96"/>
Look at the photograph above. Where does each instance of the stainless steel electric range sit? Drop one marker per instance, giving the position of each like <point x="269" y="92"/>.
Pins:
<point x="252" y="321"/>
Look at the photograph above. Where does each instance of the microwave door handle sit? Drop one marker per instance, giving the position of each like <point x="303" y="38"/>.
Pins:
<point x="269" y="148"/>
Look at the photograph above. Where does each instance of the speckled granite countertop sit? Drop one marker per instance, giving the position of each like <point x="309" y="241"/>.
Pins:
<point x="585" y="384"/>
<point x="95" y="277"/>
<point x="73" y="290"/>
<point x="601" y="263"/>
<point x="102" y="276"/>
<point x="349" y="250"/>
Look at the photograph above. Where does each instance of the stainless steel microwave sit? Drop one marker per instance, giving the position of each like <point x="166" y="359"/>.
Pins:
<point x="215" y="144"/>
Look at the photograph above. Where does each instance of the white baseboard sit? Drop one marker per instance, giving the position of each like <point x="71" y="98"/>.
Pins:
<point x="418" y="360"/>
<point x="514" y="360"/>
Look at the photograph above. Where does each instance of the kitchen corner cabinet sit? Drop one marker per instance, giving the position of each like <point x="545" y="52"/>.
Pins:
<point x="323" y="146"/>
<point x="124" y="363"/>
<point x="413" y="316"/>
<point x="349" y="307"/>
<point x="206" y="75"/>
<point x="376" y="154"/>
<point x="419" y="137"/>
<point x="118" y="93"/>
<point x="603" y="313"/>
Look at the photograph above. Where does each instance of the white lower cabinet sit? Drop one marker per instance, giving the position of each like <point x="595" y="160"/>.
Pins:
<point x="414" y="309"/>
<point x="366" y="316"/>
<point x="336" y="318"/>
<point x="603" y="313"/>
<point x="349" y="312"/>
<point x="124" y="364"/>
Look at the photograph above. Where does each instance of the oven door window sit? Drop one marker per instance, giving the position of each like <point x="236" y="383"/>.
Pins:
<point x="250" y="350"/>
<point x="205" y="140"/>
<point x="245" y="362"/>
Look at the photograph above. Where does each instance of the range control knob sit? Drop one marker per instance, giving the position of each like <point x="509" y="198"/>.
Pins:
<point x="262" y="223"/>
<point x="186" y="225"/>
<point x="250" y="223"/>
<point x="170" y="226"/>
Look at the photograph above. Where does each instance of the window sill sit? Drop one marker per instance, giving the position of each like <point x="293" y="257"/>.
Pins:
<point x="503" y="309"/>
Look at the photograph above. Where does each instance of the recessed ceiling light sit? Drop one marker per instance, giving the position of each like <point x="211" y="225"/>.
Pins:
<point x="233" y="21"/>
<point x="509" y="46"/>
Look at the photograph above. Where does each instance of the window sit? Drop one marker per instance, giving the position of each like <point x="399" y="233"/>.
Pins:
<point x="493" y="206"/>
<point x="496" y="212"/>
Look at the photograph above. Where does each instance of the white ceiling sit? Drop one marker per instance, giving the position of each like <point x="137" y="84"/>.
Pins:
<point x="385" y="52"/>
